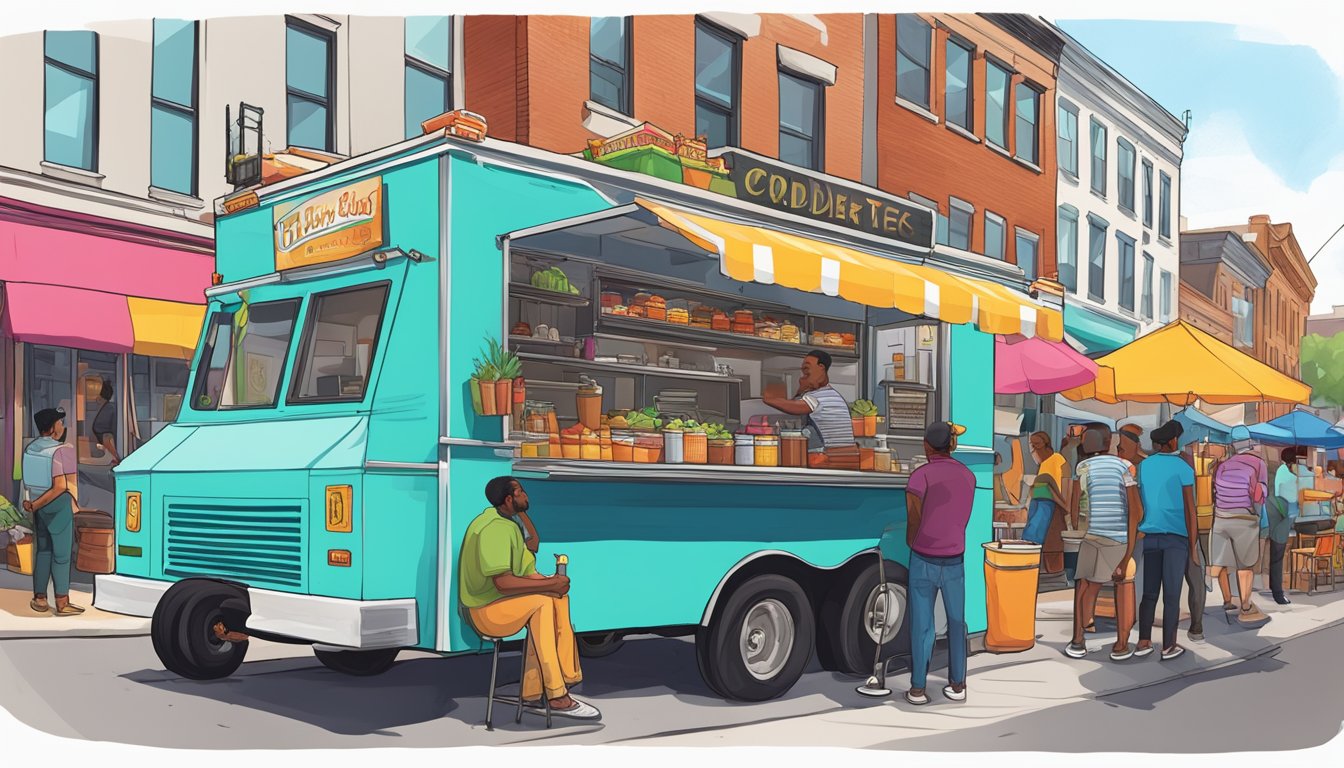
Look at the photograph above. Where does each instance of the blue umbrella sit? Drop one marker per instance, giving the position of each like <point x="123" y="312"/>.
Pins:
<point x="1299" y="428"/>
<point x="1199" y="426"/>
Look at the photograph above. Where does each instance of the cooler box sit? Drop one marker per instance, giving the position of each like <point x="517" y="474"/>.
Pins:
<point x="1012" y="571"/>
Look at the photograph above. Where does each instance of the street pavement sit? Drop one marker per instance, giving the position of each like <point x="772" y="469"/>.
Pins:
<point x="651" y="694"/>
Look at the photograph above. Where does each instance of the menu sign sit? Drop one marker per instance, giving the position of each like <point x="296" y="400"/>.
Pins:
<point x="785" y="189"/>
<point x="331" y="226"/>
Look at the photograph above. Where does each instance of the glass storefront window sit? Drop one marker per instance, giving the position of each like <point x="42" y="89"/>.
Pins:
<point x="49" y="374"/>
<point x="158" y="386"/>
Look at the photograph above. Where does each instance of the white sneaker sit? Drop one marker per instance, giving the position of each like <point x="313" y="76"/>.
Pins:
<point x="953" y="694"/>
<point x="578" y="711"/>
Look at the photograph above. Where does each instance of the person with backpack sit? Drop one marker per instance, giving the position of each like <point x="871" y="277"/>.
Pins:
<point x="1240" y="487"/>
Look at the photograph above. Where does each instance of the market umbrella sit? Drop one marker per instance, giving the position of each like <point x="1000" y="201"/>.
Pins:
<point x="1201" y="427"/>
<point x="1299" y="428"/>
<point x="1038" y="366"/>
<point x="1180" y="364"/>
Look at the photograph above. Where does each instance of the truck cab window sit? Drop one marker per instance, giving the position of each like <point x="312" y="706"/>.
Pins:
<point x="339" y="337"/>
<point x="244" y="356"/>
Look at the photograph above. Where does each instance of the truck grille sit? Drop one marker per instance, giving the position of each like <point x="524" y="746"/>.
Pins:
<point x="256" y="544"/>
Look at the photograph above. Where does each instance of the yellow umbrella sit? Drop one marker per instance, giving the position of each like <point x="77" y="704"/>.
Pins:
<point x="1180" y="364"/>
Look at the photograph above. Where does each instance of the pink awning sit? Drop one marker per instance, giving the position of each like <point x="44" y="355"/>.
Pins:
<point x="68" y="317"/>
<point x="1038" y="366"/>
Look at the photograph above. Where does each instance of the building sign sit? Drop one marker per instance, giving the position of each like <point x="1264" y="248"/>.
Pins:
<point x="784" y="188"/>
<point x="331" y="226"/>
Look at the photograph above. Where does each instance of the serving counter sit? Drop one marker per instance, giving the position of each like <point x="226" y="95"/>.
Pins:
<point x="551" y="469"/>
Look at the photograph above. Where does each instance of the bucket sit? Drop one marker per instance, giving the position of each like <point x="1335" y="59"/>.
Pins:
<point x="20" y="556"/>
<point x="1011" y="579"/>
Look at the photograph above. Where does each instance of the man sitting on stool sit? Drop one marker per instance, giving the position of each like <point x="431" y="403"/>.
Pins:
<point x="502" y="591"/>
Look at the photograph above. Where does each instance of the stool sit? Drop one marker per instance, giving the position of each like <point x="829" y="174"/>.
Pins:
<point x="494" y="676"/>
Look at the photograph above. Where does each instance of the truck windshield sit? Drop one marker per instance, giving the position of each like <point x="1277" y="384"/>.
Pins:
<point x="244" y="356"/>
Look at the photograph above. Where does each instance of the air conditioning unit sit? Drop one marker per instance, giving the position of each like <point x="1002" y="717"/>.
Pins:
<point x="243" y="146"/>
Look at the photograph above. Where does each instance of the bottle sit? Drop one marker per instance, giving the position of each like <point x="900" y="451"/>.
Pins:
<point x="881" y="455"/>
<point x="561" y="565"/>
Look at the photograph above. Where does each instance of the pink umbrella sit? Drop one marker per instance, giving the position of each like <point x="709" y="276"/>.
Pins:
<point x="1038" y="366"/>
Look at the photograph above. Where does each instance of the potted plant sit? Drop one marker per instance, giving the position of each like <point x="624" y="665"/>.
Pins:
<point x="495" y="373"/>
<point x="483" y="388"/>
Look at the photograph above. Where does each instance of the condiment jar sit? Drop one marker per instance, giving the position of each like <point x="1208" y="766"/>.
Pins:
<point x="696" y="447"/>
<point x="881" y="456"/>
<point x="590" y="447"/>
<point x="793" y="453"/>
<point x="673" y="447"/>
<point x="721" y="452"/>
<point x="535" y="416"/>
<point x="767" y="451"/>
<point x="744" y="450"/>
<point x="589" y="403"/>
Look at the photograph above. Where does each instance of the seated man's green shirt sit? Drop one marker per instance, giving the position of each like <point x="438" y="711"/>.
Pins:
<point x="493" y="545"/>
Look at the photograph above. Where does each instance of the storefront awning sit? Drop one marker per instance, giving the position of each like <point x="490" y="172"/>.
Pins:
<point x="62" y="316"/>
<point x="757" y="254"/>
<point x="165" y="328"/>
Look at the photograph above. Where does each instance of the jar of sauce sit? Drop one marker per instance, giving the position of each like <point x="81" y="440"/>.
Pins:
<point x="674" y="451"/>
<point x="721" y="452"/>
<point x="589" y="402"/>
<point x="695" y="446"/>
<point x="535" y="416"/>
<point x="767" y="450"/>
<point x="623" y="447"/>
<point x="744" y="450"/>
<point x="570" y="445"/>
<point x="648" y="448"/>
<point x="590" y="447"/>
<point x="793" y="449"/>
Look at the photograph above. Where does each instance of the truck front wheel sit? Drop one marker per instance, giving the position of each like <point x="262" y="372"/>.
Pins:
<point x="757" y="645"/>
<point x="359" y="663"/>
<point x="186" y="628"/>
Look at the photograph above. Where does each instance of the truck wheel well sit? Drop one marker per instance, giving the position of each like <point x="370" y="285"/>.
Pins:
<point x="815" y="581"/>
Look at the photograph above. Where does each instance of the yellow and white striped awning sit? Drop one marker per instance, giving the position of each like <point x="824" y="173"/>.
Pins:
<point x="757" y="254"/>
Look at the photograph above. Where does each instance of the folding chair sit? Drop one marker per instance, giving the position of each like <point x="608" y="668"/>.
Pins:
<point x="1317" y="561"/>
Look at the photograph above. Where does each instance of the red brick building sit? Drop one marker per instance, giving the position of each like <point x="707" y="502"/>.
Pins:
<point x="966" y="124"/>
<point x="555" y="82"/>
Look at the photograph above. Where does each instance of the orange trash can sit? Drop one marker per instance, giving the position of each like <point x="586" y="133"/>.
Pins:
<point x="1012" y="572"/>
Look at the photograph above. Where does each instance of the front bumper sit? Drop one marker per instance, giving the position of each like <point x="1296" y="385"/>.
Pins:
<point x="331" y="621"/>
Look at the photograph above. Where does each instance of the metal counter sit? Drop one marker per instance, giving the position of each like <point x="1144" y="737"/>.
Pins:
<point x="562" y="469"/>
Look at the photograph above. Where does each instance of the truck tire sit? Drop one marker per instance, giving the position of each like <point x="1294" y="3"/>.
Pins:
<point x="848" y="613"/>
<point x="359" y="663"/>
<point x="598" y="644"/>
<point x="182" y="629"/>
<point x="760" y="641"/>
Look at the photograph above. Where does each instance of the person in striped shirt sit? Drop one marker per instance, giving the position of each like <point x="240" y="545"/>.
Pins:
<point x="1106" y="552"/>
<point x="829" y="427"/>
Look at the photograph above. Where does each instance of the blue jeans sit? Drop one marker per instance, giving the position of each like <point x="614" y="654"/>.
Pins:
<point x="928" y="577"/>
<point x="1166" y="557"/>
<point x="1039" y="515"/>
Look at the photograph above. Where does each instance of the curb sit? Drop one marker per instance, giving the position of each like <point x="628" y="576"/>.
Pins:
<point x="73" y="633"/>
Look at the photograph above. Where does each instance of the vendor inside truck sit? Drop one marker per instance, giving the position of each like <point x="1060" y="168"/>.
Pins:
<point x="830" y="432"/>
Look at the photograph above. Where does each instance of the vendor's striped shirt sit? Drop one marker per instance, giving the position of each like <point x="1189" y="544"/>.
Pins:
<point x="1106" y="480"/>
<point x="831" y="424"/>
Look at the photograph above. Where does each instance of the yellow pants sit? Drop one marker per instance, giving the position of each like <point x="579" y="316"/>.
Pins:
<point x="552" y="650"/>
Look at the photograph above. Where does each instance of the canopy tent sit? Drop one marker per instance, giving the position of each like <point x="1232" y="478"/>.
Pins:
<point x="1181" y="365"/>
<point x="1038" y="366"/>
<point x="1299" y="428"/>
<point x="1200" y="427"/>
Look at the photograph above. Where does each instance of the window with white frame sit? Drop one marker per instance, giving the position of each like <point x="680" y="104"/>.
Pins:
<point x="960" y="214"/>
<point x="1125" y="250"/>
<point x="801" y="123"/>
<point x="1067" y="150"/>
<point x="958" y="105"/>
<point x="1164" y="210"/>
<point x="70" y="122"/>
<point x="996" y="236"/>
<point x="429" y="69"/>
<point x="1026" y="139"/>
<point x="718" y="64"/>
<point x="1096" y="257"/>
<point x="914" y="59"/>
<point x="1165" y="316"/>
<point x="1068" y="247"/>
<point x="609" y="62"/>
<point x="997" y="80"/>
<point x="1243" y="314"/>
<point x="172" y="107"/>
<point x="1147" y="194"/>
<point x="1124" y="173"/>
<point x="1146" y="304"/>
<point x="310" y="69"/>
<point x="1025" y="246"/>
<point x="1098" y="136"/>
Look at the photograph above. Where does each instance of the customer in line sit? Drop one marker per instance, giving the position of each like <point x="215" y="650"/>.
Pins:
<point x="1106" y="552"/>
<point x="1047" y="499"/>
<point x="1240" y="485"/>
<point x="938" y="502"/>
<point x="1167" y="489"/>
<point x="50" y="479"/>
<point x="1281" y="516"/>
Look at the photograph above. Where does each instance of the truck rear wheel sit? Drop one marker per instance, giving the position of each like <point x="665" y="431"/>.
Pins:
<point x="852" y="613"/>
<point x="757" y="645"/>
<point x="184" y="629"/>
<point x="359" y="663"/>
<point x="598" y="644"/>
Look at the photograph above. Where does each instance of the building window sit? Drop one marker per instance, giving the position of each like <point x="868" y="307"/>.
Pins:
<point x="1147" y="194"/>
<point x="1147" y="306"/>
<point x="801" y="107"/>
<point x="1166" y="297"/>
<point x="70" y="125"/>
<point x="959" y="216"/>
<point x="717" y="72"/>
<point x="1125" y="246"/>
<point x="996" y="104"/>
<point x="1124" y="173"/>
<point x="1096" y="257"/>
<point x="309" y="72"/>
<point x="1028" y="101"/>
<point x="1243" y="313"/>
<point x="1025" y="248"/>
<point x="1164" y="212"/>
<point x="1068" y="247"/>
<point x="940" y="221"/>
<point x="609" y="62"/>
<point x="1068" y="140"/>
<point x="172" y="107"/>
<point x="429" y="69"/>
<point x="996" y="236"/>
<point x="914" y="49"/>
<point x="1098" y="158"/>
<point x="959" y="108"/>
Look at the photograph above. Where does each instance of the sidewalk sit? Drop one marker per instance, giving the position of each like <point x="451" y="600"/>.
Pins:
<point x="1003" y="686"/>
<point x="18" y="620"/>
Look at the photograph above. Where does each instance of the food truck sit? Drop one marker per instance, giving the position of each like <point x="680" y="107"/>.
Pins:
<point x="347" y="406"/>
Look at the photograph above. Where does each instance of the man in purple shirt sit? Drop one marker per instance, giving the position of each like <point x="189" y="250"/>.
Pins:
<point x="938" y="503"/>
<point x="1240" y="486"/>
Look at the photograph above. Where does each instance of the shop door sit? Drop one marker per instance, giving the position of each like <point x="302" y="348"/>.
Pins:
<point x="98" y="426"/>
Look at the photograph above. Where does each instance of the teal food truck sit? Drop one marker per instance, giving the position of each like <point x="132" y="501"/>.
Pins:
<point x="337" y="438"/>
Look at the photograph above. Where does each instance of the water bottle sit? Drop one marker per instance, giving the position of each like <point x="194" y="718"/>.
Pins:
<point x="561" y="565"/>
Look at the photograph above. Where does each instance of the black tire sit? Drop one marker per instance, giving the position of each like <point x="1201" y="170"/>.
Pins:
<point x="598" y="644"/>
<point x="183" y="629"/>
<point x="764" y="662"/>
<point x="359" y="663"/>
<point x="845" y="614"/>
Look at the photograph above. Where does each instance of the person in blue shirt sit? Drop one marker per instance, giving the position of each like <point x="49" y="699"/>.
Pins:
<point x="1169" y="528"/>
<point x="1281" y="513"/>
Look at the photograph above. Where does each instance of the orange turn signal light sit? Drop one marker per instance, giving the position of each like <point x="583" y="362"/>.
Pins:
<point x="339" y="557"/>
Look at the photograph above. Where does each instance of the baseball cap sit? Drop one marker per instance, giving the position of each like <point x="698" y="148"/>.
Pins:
<point x="46" y="418"/>
<point x="1241" y="434"/>
<point x="940" y="433"/>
